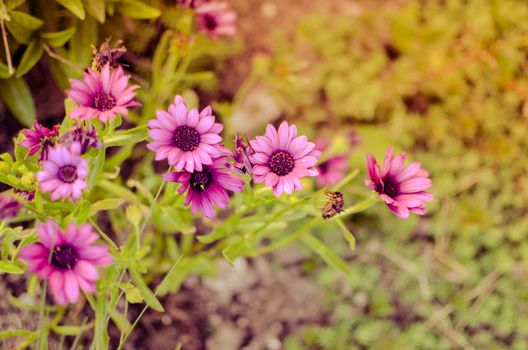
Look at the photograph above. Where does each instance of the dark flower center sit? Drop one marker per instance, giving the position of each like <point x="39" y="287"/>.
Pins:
<point x="390" y="188"/>
<point x="68" y="174"/>
<point x="201" y="179"/>
<point x="210" y="22"/>
<point x="104" y="102"/>
<point x="281" y="163"/>
<point x="323" y="167"/>
<point x="64" y="257"/>
<point x="186" y="138"/>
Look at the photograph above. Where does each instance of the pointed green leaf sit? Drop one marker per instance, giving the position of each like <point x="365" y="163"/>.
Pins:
<point x="96" y="9"/>
<point x="147" y="294"/>
<point x="74" y="6"/>
<point x="327" y="254"/>
<point x="17" y="97"/>
<point x="58" y="39"/>
<point x="9" y="267"/>
<point x="31" y="56"/>
<point x="138" y="10"/>
<point x="22" y="26"/>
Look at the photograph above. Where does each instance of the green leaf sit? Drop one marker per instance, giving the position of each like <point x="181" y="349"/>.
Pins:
<point x="4" y="71"/>
<point x="147" y="294"/>
<point x="58" y="39"/>
<point x="133" y="295"/>
<point x="326" y="253"/>
<point x="96" y="168"/>
<point x="74" y="6"/>
<point x="82" y="41"/>
<point x="9" y="267"/>
<point x="18" y="99"/>
<point x="96" y="9"/>
<point x="346" y="233"/>
<point x="134" y="215"/>
<point x="25" y="20"/>
<point x="4" y="15"/>
<point x="138" y="10"/>
<point x="13" y="4"/>
<point x="126" y="137"/>
<point x="106" y="204"/>
<point x="235" y="250"/>
<point x="31" y="56"/>
<point x="22" y="26"/>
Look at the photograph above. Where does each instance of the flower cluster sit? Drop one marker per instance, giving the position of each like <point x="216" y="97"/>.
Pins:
<point x="102" y="95"/>
<point x="191" y="143"/>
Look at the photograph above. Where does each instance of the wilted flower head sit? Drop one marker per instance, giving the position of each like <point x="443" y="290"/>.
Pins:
<point x="67" y="259"/>
<point x="216" y="19"/>
<point x="207" y="187"/>
<point x="334" y="204"/>
<point x="9" y="207"/>
<point x="186" y="138"/>
<point x="40" y="139"/>
<point x="281" y="158"/>
<point x="106" y="55"/>
<point x="102" y="95"/>
<point x="242" y="155"/>
<point x="27" y="195"/>
<point x="85" y="137"/>
<point x="401" y="188"/>
<point x="64" y="173"/>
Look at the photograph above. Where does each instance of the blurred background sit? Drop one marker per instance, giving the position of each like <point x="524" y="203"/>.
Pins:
<point x="444" y="80"/>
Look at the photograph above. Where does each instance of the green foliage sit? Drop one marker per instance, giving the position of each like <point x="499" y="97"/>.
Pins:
<point x="447" y="81"/>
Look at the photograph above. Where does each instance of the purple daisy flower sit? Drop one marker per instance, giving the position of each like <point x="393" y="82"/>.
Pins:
<point x="67" y="259"/>
<point x="207" y="187"/>
<point x="40" y="139"/>
<point x="401" y="188"/>
<point x="281" y="158"/>
<point x="9" y="207"/>
<point x="102" y="95"/>
<point x="86" y="138"/>
<point x="64" y="173"/>
<point x="332" y="171"/>
<point x="216" y="19"/>
<point x="188" y="139"/>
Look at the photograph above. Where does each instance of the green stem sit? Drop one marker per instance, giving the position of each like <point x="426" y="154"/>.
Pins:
<point x="136" y="321"/>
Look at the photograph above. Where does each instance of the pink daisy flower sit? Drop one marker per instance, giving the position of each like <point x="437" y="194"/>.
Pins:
<point x="207" y="187"/>
<point x="332" y="171"/>
<point x="67" y="259"/>
<point x="9" y="207"/>
<point x="64" y="173"/>
<point x="102" y="95"/>
<point x="188" y="139"/>
<point x="281" y="158"/>
<point x="401" y="188"/>
<point x="40" y="139"/>
<point x="215" y="19"/>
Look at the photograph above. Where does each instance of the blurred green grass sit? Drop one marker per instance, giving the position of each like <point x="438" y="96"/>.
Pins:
<point x="446" y="81"/>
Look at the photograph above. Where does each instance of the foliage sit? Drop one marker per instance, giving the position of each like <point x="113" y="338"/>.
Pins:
<point x="446" y="79"/>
